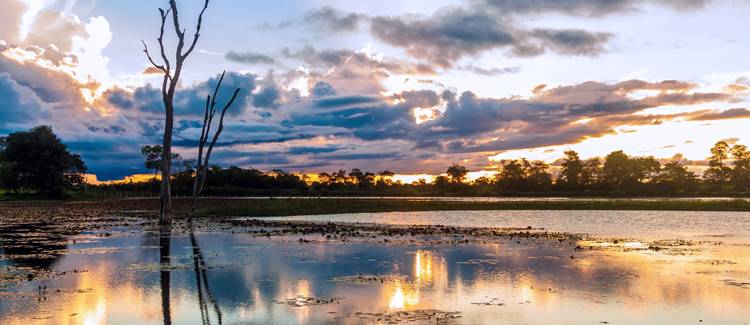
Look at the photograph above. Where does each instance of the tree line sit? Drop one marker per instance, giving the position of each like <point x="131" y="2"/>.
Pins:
<point x="36" y="161"/>
<point x="727" y="173"/>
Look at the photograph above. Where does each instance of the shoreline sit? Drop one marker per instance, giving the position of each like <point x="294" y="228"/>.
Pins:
<point x="275" y="207"/>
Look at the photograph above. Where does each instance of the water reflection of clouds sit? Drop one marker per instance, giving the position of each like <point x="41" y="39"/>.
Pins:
<point x="249" y="276"/>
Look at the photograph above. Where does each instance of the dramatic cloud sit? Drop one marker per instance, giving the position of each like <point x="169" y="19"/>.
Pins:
<point x="356" y="72"/>
<point x="19" y="105"/>
<point x="453" y="33"/>
<point x="191" y="101"/>
<point x="341" y="107"/>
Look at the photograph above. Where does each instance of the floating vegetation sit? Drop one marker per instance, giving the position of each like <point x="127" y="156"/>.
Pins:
<point x="736" y="283"/>
<point x="476" y="261"/>
<point x="491" y="302"/>
<point x="403" y="316"/>
<point x="363" y="279"/>
<point x="304" y="301"/>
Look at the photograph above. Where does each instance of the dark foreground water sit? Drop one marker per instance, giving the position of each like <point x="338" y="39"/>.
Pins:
<point x="137" y="276"/>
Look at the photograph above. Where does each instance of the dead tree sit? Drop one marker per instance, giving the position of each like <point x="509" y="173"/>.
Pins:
<point x="208" y="118"/>
<point x="168" y="87"/>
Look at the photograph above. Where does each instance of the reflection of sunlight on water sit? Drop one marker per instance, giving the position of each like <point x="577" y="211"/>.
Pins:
<point x="97" y="315"/>
<point x="403" y="296"/>
<point x="429" y="271"/>
<point x="619" y="280"/>
<point x="423" y="266"/>
<point x="397" y="300"/>
<point x="91" y="306"/>
<point x="634" y="244"/>
<point x="526" y="285"/>
<point x="303" y="290"/>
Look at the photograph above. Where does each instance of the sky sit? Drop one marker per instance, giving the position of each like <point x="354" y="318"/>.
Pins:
<point x="409" y="86"/>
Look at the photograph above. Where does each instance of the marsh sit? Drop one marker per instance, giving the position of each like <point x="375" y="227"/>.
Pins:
<point x="112" y="263"/>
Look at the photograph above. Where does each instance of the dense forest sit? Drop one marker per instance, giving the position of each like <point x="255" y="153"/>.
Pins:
<point x="617" y="174"/>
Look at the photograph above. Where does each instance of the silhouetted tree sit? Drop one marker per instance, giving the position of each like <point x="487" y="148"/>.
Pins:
<point x="624" y="173"/>
<point x="591" y="173"/>
<point x="483" y="181"/>
<point x="512" y="175"/>
<point x="522" y="175"/>
<point x="37" y="160"/>
<point x="718" y="172"/>
<point x="539" y="178"/>
<point x="675" y="178"/>
<point x="457" y="173"/>
<point x="208" y="118"/>
<point x="740" y="175"/>
<point x="441" y="181"/>
<point x="571" y="173"/>
<point x="170" y="81"/>
<point x="385" y="178"/>
<point x="153" y="157"/>
<point x="365" y="180"/>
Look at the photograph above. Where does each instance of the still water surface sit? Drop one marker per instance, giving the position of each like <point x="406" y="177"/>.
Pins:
<point x="652" y="225"/>
<point x="132" y="277"/>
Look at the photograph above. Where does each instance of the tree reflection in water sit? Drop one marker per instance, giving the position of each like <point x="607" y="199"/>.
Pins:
<point x="205" y="295"/>
<point x="165" y="238"/>
<point x="201" y="279"/>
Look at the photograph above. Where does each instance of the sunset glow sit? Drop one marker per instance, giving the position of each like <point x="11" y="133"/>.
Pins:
<point x="364" y="98"/>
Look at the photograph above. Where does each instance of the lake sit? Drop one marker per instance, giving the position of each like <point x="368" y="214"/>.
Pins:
<point x="637" y="267"/>
<point x="649" y="225"/>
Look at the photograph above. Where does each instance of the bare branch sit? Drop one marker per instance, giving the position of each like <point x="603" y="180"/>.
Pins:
<point x="175" y="18"/>
<point x="150" y="59"/>
<point x="180" y="35"/>
<point x="197" y="31"/>
<point x="221" y="123"/>
<point x="216" y="90"/>
<point x="161" y="37"/>
<point x="229" y="104"/>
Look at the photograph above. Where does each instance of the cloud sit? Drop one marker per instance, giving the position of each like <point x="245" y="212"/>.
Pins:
<point x="10" y="20"/>
<point x="55" y="28"/>
<point x="591" y="8"/>
<point x="444" y="37"/>
<point x="19" y="105"/>
<point x="490" y="72"/>
<point x="562" y="41"/>
<point x="354" y="72"/>
<point x="313" y="150"/>
<point x="268" y="97"/>
<point x="454" y="33"/>
<point x="249" y="58"/>
<point x="322" y="89"/>
<point x="733" y="113"/>
<point x="190" y="101"/>
<point x="328" y="19"/>
<point x="348" y="118"/>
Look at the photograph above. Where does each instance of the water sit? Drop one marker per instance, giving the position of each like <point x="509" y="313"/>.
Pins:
<point x="651" y="225"/>
<point x="137" y="275"/>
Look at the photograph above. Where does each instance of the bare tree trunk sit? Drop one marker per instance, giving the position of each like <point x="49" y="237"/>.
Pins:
<point x="165" y="197"/>
<point x="169" y="85"/>
<point x="208" y="117"/>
